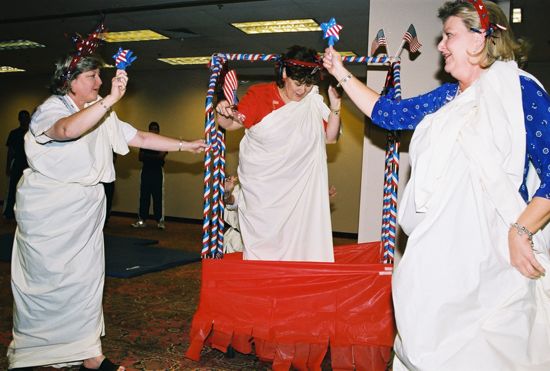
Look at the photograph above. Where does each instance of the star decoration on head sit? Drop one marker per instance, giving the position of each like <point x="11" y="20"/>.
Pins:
<point x="84" y="47"/>
<point x="331" y="31"/>
<point x="123" y="58"/>
<point x="482" y="13"/>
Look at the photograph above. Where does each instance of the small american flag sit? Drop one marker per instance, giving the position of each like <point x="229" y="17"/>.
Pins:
<point x="412" y="39"/>
<point x="378" y="41"/>
<point x="230" y="85"/>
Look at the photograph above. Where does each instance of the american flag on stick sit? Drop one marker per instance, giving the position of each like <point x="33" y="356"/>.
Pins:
<point x="378" y="41"/>
<point x="412" y="39"/>
<point x="230" y="85"/>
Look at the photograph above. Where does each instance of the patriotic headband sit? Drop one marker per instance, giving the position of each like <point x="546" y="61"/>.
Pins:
<point x="84" y="47"/>
<point x="315" y="66"/>
<point x="486" y="25"/>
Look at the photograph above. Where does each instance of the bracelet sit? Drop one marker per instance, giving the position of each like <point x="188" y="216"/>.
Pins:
<point x="335" y="111"/>
<point x="181" y="145"/>
<point x="102" y="104"/>
<point x="521" y="230"/>
<point x="344" y="80"/>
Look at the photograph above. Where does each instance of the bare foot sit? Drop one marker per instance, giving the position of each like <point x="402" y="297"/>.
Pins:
<point x="94" y="363"/>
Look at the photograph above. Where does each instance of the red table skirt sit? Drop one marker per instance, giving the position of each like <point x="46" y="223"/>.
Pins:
<point x="291" y="312"/>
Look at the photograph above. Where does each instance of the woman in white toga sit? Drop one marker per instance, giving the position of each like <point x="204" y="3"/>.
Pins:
<point x="472" y="291"/>
<point x="284" y="211"/>
<point x="58" y="257"/>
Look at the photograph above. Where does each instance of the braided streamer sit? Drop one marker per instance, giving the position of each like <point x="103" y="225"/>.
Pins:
<point x="368" y="60"/>
<point x="215" y="192"/>
<point x="221" y="223"/>
<point x="396" y="72"/>
<point x="389" y="209"/>
<point x="391" y="175"/>
<point x="209" y="139"/>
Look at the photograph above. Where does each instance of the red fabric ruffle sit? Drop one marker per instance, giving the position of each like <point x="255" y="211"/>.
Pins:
<point x="291" y="312"/>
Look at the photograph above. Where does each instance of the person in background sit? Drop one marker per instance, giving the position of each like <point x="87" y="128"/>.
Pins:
<point x="472" y="290"/>
<point x="152" y="184"/>
<point x="58" y="265"/>
<point x="16" y="160"/>
<point x="284" y="212"/>
<point x="232" y="239"/>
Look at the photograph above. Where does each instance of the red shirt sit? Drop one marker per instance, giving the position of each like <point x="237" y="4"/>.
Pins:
<point x="259" y="101"/>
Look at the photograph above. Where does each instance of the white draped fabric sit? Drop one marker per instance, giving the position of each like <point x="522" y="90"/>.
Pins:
<point x="58" y="257"/>
<point x="459" y="304"/>
<point x="284" y="211"/>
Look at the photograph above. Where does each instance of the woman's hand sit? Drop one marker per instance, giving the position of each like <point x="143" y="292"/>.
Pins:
<point x="118" y="85"/>
<point x="225" y="109"/>
<point x="227" y="117"/>
<point x="195" y="146"/>
<point x="521" y="255"/>
<point x="332" y="191"/>
<point x="230" y="183"/>
<point x="332" y="61"/>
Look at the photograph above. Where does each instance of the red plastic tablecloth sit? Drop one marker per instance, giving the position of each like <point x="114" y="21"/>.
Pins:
<point x="291" y="312"/>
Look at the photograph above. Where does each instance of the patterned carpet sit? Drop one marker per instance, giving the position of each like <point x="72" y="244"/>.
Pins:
<point x="147" y="317"/>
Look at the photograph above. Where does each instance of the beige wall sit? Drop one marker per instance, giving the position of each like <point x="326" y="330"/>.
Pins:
<point x="175" y="99"/>
<point x="417" y="76"/>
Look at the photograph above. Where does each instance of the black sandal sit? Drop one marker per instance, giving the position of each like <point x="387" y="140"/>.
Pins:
<point x="106" y="365"/>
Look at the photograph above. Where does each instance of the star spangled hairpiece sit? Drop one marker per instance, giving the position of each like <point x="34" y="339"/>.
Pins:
<point x="486" y="25"/>
<point x="84" y="47"/>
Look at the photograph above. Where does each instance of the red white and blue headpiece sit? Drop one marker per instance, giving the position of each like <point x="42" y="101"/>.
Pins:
<point x="84" y="47"/>
<point x="487" y="27"/>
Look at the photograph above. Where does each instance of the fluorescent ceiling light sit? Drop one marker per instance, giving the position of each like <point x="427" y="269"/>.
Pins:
<point x="4" y="69"/>
<point x="343" y="54"/>
<point x="138" y="35"/>
<point x="348" y="54"/>
<point x="516" y="15"/>
<point x="186" y="60"/>
<point x="290" y="25"/>
<point x="19" y="44"/>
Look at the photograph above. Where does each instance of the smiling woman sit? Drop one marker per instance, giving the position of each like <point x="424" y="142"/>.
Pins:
<point x="58" y="266"/>
<point x="284" y="214"/>
<point x="471" y="292"/>
<point x="461" y="50"/>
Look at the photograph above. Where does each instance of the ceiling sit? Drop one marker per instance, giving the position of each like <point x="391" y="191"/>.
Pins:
<point x="195" y="27"/>
<point x="201" y="27"/>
